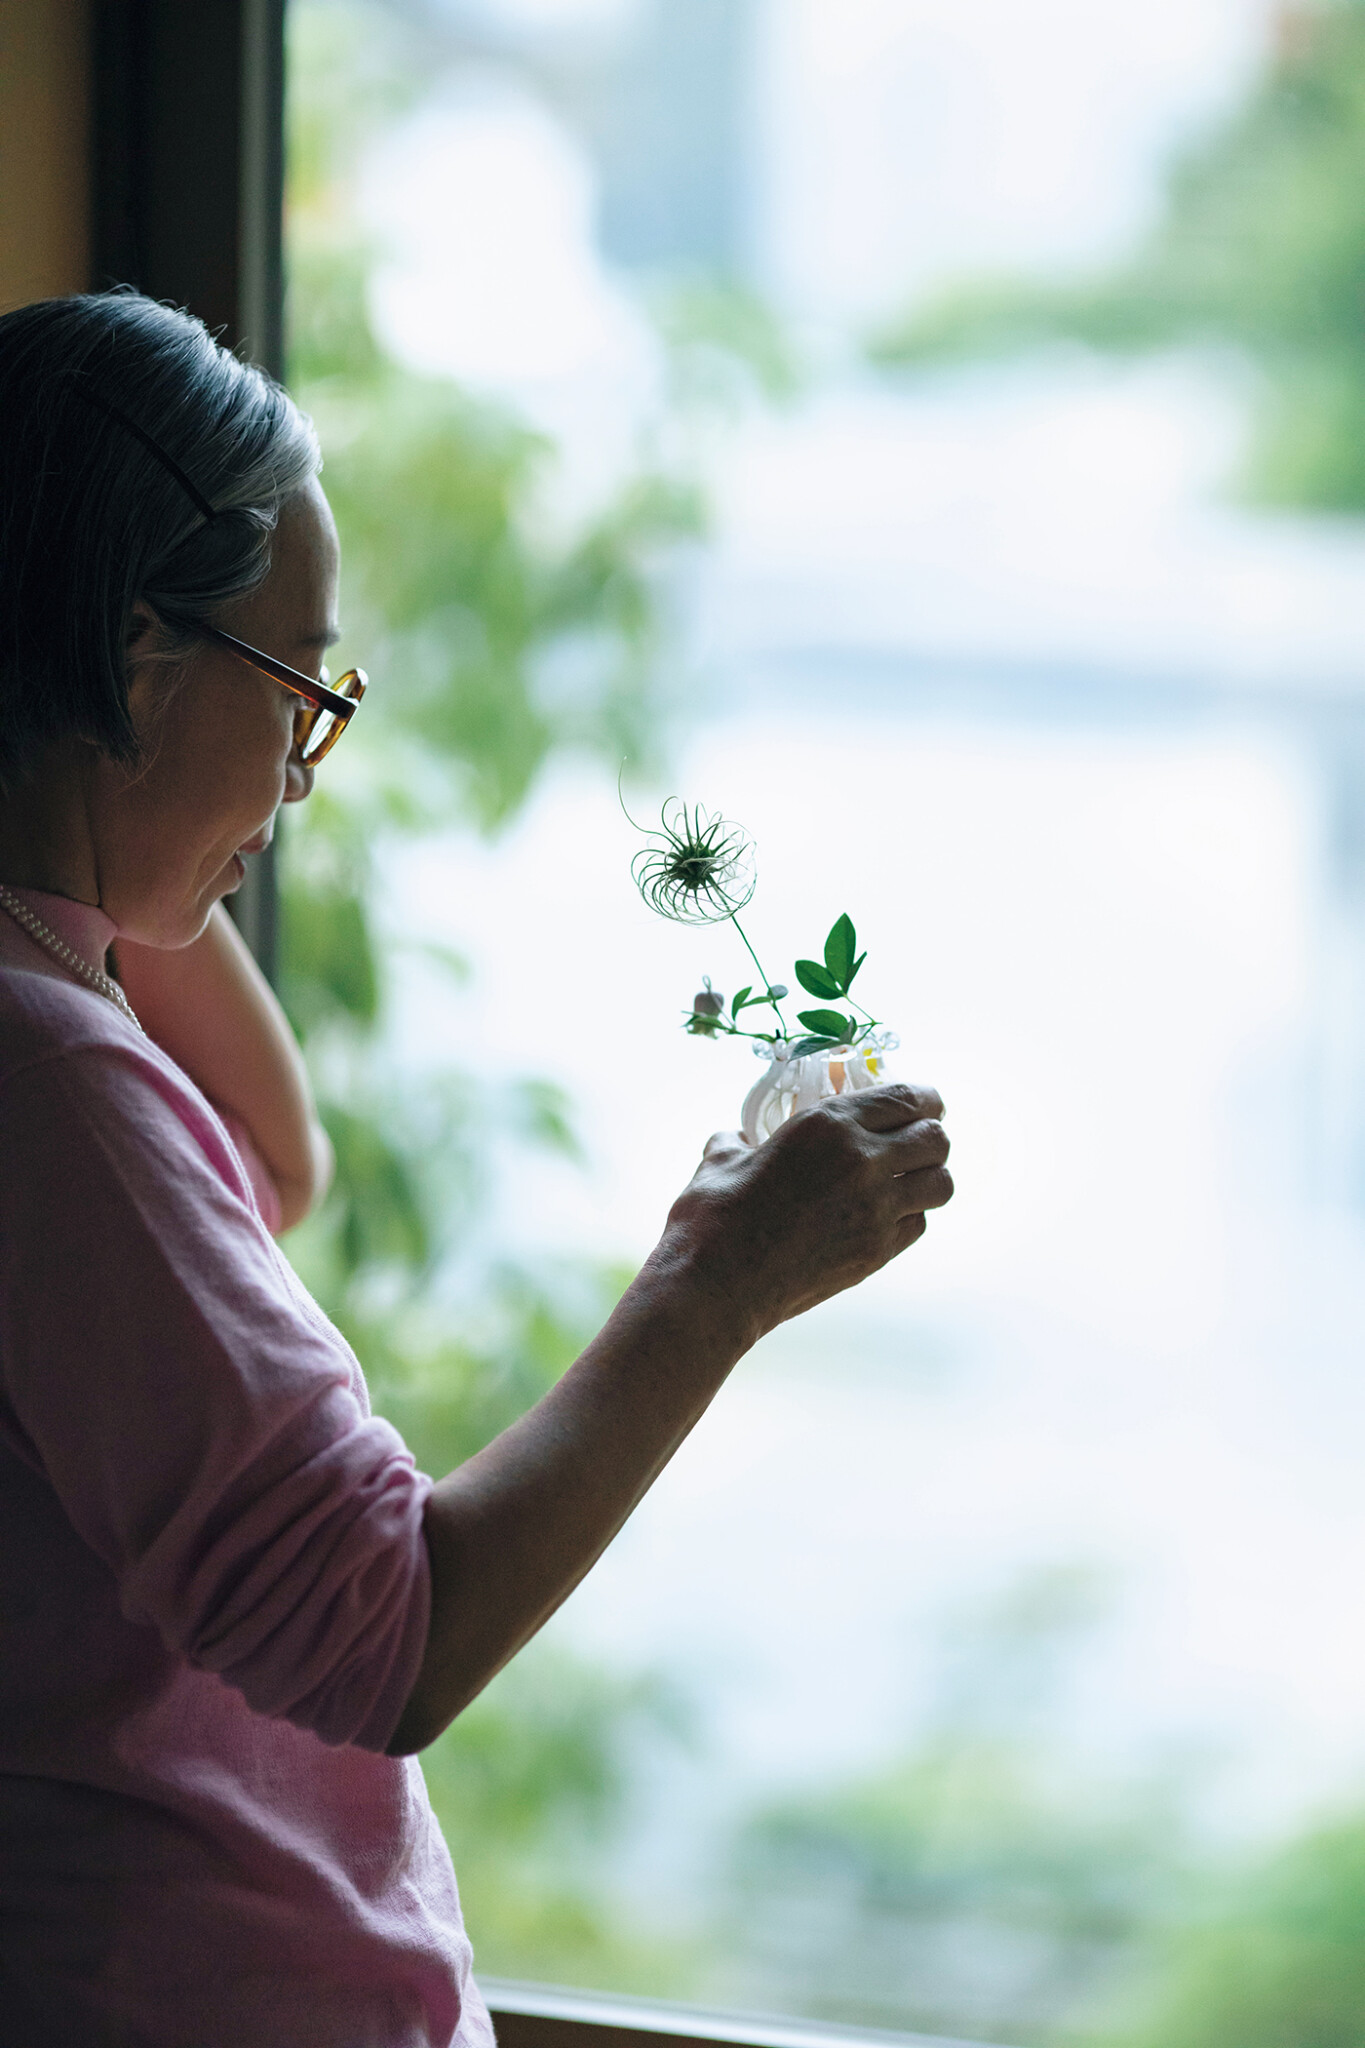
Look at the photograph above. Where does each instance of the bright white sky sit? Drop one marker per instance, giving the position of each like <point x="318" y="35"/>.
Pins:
<point x="909" y="140"/>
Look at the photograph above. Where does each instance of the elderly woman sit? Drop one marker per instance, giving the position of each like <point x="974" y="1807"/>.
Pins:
<point x="230" y="1607"/>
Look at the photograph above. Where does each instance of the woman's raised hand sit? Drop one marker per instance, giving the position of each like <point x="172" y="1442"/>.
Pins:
<point x="831" y="1197"/>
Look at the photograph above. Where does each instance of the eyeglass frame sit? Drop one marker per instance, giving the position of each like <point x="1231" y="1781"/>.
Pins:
<point x="320" y="695"/>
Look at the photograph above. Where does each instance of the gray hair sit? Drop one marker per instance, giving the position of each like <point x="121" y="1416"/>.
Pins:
<point x="139" y="462"/>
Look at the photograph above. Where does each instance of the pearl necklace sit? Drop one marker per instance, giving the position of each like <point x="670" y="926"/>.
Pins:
<point x="44" y="936"/>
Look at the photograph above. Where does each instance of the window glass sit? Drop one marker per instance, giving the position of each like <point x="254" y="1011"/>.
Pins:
<point x="933" y="436"/>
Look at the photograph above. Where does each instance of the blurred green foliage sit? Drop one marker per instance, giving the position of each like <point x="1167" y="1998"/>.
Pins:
<point x="1278" y="1960"/>
<point x="980" y="1884"/>
<point x="471" y="608"/>
<point x="1260" y="252"/>
<point x="1260" y="248"/>
<point x="976" y="1888"/>
<point x="725" y="345"/>
<point x="464" y="592"/>
<point x="530" y="1797"/>
<point x="468" y="605"/>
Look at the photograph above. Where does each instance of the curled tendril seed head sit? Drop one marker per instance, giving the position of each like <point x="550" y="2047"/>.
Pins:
<point x="697" y="868"/>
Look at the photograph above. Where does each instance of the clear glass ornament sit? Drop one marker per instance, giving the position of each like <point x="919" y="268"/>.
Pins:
<point x="790" y="1084"/>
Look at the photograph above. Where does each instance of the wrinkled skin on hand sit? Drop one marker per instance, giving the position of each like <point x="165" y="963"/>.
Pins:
<point x="831" y="1197"/>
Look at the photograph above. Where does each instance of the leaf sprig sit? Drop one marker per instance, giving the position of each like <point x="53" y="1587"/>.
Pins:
<point x="826" y="1030"/>
<point x="697" y="868"/>
<point x="833" y="978"/>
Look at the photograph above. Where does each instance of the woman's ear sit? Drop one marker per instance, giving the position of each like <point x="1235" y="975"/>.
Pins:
<point x="152" y="680"/>
<point x="144" y="632"/>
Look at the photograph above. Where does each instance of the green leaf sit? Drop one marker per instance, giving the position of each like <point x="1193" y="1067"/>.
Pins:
<point x="741" y="999"/>
<point x="812" y="976"/>
<point x="805" y="1045"/>
<point x="826" y="1022"/>
<point x="840" y="948"/>
<point x="853" y="970"/>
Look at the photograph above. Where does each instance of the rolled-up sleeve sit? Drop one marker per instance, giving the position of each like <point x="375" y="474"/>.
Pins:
<point x="202" y="1424"/>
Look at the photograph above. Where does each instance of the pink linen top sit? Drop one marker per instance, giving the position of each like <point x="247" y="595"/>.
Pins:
<point x="213" y="1586"/>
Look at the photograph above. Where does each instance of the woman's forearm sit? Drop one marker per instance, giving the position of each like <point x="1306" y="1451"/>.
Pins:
<point x="209" y="1006"/>
<point x="757" y="1237"/>
<point x="512" y="1531"/>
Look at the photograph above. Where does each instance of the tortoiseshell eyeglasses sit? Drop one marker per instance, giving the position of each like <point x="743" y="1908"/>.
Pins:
<point x="327" y="708"/>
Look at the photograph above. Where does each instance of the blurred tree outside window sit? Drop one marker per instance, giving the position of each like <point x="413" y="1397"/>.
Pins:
<point x="977" y="1882"/>
<point x="1259" y="250"/>
<point x="458" y="601"/>
<point x="498" y="633"/>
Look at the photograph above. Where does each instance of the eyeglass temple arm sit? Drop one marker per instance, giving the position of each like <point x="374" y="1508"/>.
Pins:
<point x="292" y="678"/>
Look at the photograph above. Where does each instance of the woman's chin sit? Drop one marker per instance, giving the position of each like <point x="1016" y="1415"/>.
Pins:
<point x="172" y="918"/>
<point x="167" y="932"/>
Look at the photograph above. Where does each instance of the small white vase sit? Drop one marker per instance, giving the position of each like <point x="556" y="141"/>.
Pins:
<point x="790" y="1085"/>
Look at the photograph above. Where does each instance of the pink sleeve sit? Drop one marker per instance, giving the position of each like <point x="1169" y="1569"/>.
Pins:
<point x="257" y="1172"/>
<point x="201" y="1422"/>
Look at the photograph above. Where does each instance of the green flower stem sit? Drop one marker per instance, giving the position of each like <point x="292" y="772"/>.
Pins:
<point x="733" y="1031"/>
<point x="762" y="976"/>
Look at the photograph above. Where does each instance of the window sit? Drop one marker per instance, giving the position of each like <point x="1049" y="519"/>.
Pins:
<point x="829" y="410"/>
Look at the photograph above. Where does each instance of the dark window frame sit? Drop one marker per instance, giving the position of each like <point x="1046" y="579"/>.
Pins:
<point x="187" y="204"/>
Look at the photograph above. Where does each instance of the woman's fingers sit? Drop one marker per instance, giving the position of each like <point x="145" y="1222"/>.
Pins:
<point x="891" y="1108"/>
<point x="908" y="1231"/>
<point x="722" y="1145"/>
<point x="917" y="1157"/>
<point x="834" y="1194"/>
<point x="928" y="1187"/>
<point x="899" y="1102"/>
<point x="916" y="1145"/>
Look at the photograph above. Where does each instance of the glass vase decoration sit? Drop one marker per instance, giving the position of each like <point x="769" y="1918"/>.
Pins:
<point x="795" y="1080"/>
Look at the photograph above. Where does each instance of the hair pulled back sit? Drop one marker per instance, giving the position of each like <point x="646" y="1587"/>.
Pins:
<point x="92" y="522"/>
